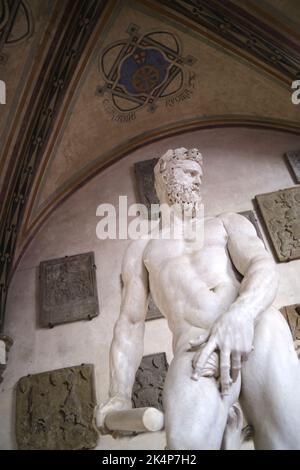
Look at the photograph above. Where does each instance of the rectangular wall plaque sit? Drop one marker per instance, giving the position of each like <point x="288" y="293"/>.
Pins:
<point x="293" y="159"/>
<point x="292" y="315"/>
<point x="149" y="381"/>
<point x="68" y="290"/>
<point x="280" y="211"/>
<point x="144" y="172"/>
<point x="55" y="410"/>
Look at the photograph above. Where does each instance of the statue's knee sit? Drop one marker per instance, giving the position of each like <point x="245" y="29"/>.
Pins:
<point x="183" y="441"/>
<point x="174" y="442"/>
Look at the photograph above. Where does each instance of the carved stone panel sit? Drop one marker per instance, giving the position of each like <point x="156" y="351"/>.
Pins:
<point x="149" y="381"/>
<point x="54" y="410"/>
<point x="294" y="160"/>
<point x="250" y="215"/>
<point x="281" y="214"/>
<point x="153" y="312"/>
<point x="68" y="290"/>
<point x="144" y="172"/>
<point x="292" y="315"/>
<point x="5" y="344"/>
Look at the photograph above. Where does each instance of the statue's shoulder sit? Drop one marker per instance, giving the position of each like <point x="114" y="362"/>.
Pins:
<point x="230" y="216"/>
<point x="132" y="264"/>
<point x="135" y="249"/>
<point x="233" y="222"/>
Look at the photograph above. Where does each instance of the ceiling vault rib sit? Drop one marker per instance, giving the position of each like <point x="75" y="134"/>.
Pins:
<point x="249" y="35"/>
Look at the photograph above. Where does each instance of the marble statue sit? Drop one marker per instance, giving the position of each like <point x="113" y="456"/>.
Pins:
<point x="233" y="351"/>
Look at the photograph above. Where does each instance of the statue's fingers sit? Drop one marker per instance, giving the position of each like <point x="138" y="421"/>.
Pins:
<point x="196" y="359"/>
<point x="235" y="365"/>
<point x="199" y="340"/>
<point x="245" y="356"/>
<point x="202" y="359"/>
<point x="225" y="372"/>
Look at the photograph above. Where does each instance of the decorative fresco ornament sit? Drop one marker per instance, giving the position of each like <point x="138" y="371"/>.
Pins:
<point x="55" y="409"/>
<point x="280" y="211"/>
<point x="149" y="382"/>
<point x="143" y="70"/>
<point x="292" y="315"/>
<point x="294" y="161"/>
<point x="68" y="290"/>
<point x="16" y="24"/>
<point x="4" y="14"/>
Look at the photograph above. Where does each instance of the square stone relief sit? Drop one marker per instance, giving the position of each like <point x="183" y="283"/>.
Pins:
<point x="68" y="290"/>
<point x="149" y="381"/>
<point x="55" y="409"/>
<point x="280" y="211"/>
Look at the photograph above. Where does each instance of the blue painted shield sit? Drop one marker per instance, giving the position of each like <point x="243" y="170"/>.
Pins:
<point x="143" y="71"/>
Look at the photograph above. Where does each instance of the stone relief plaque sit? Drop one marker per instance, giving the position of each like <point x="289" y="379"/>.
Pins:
<point x="145" y="182"/>
<point x="153" y="312"/>
<point x="149" y="381"/>
<point x="294" y="161"/>
<point x="250" y="215"/>
<point x="292" y="315"/>
<point x="55" y="409"/>
<point x="280" y="211"/>
<point x="68" y="290"/>
<point x="5" y="344"/>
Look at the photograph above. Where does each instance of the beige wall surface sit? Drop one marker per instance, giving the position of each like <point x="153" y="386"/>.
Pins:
<point x="239" y="163"/>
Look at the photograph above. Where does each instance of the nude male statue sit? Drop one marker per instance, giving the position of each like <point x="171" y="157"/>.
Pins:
<point x="229" y="342"/>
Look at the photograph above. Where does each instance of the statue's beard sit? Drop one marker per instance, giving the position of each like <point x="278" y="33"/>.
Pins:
<point x="185" y="197"/>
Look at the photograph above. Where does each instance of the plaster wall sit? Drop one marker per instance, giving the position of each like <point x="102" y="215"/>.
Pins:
<point x="239" y="163"/>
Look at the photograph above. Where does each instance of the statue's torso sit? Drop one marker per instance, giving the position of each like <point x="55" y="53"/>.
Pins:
<point x="192" y="285"/>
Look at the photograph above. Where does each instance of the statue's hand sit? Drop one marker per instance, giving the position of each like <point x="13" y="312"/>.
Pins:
<point x="232" y="336"/>
<point x="116" y="403"/>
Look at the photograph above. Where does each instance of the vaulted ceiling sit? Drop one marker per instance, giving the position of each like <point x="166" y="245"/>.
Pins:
<point x="88" y="81"/>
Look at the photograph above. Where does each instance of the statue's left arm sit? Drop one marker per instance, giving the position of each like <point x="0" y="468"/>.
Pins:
<point x="233" y="333"/>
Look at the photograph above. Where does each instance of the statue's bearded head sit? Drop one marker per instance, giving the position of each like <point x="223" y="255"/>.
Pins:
<point x="178" y="177"/>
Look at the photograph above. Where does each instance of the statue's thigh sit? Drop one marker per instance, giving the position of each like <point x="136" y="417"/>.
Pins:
<point x="195" y="415"/>
<point x="270" y="395"/>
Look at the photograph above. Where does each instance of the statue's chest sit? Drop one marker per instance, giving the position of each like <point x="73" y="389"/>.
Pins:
<point x="179" y="254"/>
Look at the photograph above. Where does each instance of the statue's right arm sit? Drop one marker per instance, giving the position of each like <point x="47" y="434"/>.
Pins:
<point x="127" y="345"/>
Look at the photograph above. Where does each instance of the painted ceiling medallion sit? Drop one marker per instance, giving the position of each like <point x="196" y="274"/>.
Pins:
<point x="142" y="70"/>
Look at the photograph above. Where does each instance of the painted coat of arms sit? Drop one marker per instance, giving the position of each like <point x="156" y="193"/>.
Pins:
<point x="142" y="70"/>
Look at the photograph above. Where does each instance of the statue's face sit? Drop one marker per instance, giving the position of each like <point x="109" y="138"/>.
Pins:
<point x="183" y="186"/>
